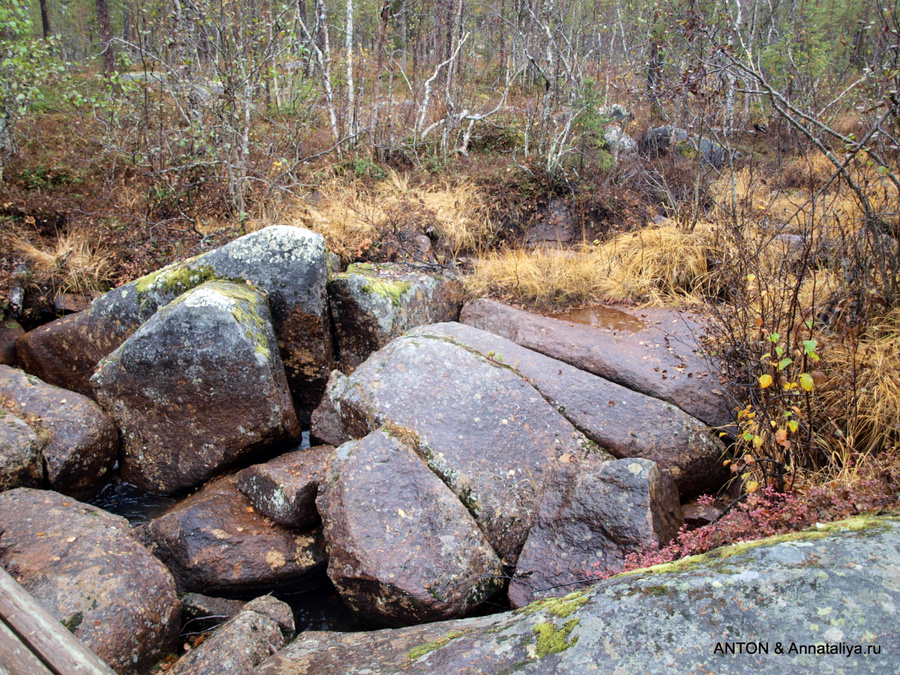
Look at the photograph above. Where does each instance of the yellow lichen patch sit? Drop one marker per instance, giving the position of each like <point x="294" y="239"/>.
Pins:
<point x="275" y="559"/>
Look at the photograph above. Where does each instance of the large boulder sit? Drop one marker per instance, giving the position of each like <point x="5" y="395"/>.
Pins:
<point x="625" y="422"/>
<point x="259" y="630"/>
<point x="198" y="387"/>
<point x="215" y="542"/>
<point x="592" y="515"/>
<point x="20" y="453"/>
<point x="663" y="357"/>
<point x="287" y="263"/>
<point x="402" y="548"/>
<point x="82" y="441"/>
<point x="823" y="601"/>
<point x="285" y="488"/>
<point x="372" y="304"/>
<point x="85" y="567"/>
<point x="487" y="433"/>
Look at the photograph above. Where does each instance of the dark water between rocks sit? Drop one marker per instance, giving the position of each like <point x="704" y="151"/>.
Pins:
<point x="319" y="609"/>
<point x="602" y="317"/>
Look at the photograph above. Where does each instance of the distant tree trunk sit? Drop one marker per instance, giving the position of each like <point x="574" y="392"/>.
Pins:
<point x="45" y="20"/>
<point x="351" y="93"/>
<point x="109" y="61"/>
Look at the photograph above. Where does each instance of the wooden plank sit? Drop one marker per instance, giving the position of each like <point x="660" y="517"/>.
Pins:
<point x="63" y="653"/>
<point x="16" y="658"/>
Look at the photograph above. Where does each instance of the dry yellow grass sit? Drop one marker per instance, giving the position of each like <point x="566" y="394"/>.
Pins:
<point x="656" y="266"/>
<point x="72" y="263"/>
<point x="352" y="219"/>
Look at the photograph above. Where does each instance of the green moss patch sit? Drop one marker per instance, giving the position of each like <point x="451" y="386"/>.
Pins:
<point x="418" y="652"/>
<point x="552" y="639"/>
<point x="558" y="607"/>
<point x="393" y="290"/>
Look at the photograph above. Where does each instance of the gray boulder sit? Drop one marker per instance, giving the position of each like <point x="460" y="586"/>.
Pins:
<point x="620" y="143"/>
<point x="664" y="358"/>
<point x="285" y="488"/>
<point x="372" y="304"/>
<point x="82" y="443"/>
<point x="481" y="428"/>
<point x="85" y="567"/>
<point x="402" y="548"/>
<point x="622" y="421"/>
<point x="259" y="630"/>
<point x="20" y="453"/>
<point x="592" y="515"/>
<point x="215" y="542"/>
<point x="287" y="263"/>
<point x="196" y="388"/>
<point x="823" y="601"/>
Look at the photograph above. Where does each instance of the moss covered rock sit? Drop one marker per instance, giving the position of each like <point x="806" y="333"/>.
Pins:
<point x="198" y="387"/>
<point x="287" y="263"/>
<point x="823" y="602"/>
<point x="372" y="304"/>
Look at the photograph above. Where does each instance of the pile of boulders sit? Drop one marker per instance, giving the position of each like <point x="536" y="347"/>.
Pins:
<point x="456" y="458"/>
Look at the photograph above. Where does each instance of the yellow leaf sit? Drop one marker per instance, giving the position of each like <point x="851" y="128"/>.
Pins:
<point x="752" y="485"/>
<point x="793" y="425"/>
<point x="765" y="381"/>
<point x="806" y="381"/>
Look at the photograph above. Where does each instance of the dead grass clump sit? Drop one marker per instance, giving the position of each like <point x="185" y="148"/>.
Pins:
<point x="354" y="219"/>
<point x="656" y="266"/>
<point x="808" y="172"/>
<point x="72" y="263"/>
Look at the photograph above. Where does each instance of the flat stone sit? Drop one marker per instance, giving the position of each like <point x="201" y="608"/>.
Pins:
<point x="215" y="542"/>
<point x="85" y="567"/>
<point x="402" y="548"/>
<point x="624" y="422"/>
<point x="82" y="443"/>
<point x="834" y="588"/>
<point x="197" y="388"/>
<point x="664" y="359"/>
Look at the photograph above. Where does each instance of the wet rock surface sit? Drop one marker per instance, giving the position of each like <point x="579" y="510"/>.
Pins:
<point x="483" y="430"/>
<point x="402" y="548"/>
<point x="666" y="360"/>
<point x="20" y="453"/>
<point x="10" y="331"/>
<point x="199" y="386"/>
<point x="82" y="443"/>
<point x="259" y="630"/>
<point x="287" y="263"/>
<point x="285" y="488"/>
<point x="372" y="304"/>
<point x="85" y="567"/>
<point x="799" y="590"/>
<point x="625" y="422"/>
<point x="215" y="542"/>
<point x="592" y="515"/>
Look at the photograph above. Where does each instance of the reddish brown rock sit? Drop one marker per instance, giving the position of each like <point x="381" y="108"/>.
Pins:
<point x="258" y="631"/>
<point x="288" y="263"/>
<point x="9" y="331"/>
<point x="662" y="356"/>
<point x="215" y="542"/>
<point x="85" y="567"/>
<point x="284" y="489"/>
<point x="82" y="441"/>
<point x="197" y="388"/>
<point x="20" y="453"/>
<point x="372" y="304"/>
<point x="592" y="515"/>
<point x="481" y="428"/>
<point x="402" y="548"/>
<point x="625" y="422"/>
